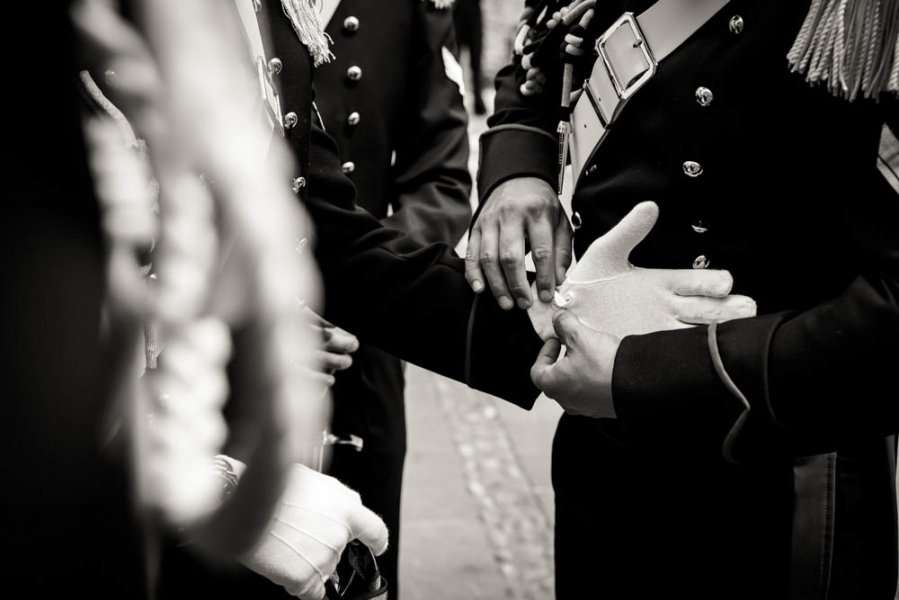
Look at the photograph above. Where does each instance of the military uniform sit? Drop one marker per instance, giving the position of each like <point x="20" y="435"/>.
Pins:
<point x="383" y="285"/>
<point x="759" y="173"/>
<point x="398" y="118"/>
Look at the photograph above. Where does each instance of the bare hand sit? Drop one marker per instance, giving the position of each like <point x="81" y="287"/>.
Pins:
<point x="581" y="380"/>
<point x="520" y="211"/>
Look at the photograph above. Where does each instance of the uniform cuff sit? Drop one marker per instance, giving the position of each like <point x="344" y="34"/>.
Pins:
<point x="510" y="151"/>
<point x="667" y="393"/>
<point x="501" y="348"/>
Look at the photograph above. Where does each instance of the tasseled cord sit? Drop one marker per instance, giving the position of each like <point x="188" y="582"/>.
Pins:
<point x="573" y="48"/>
<point x="305" y="22"/>
<point x="851" y="46"/>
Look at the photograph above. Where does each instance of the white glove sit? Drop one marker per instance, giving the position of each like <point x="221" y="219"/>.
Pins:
<point x="609" y="294"/>
<point x="316" y="519"/>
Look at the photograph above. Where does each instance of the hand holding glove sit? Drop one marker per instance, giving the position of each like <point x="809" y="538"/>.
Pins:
<point x="317" y="517"/>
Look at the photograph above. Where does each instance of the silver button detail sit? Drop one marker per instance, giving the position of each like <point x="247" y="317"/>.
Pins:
<point x="351" y="24"/>
<point x="704" y="96"/>
<point x="736" y="25"/>
<point x="290" y="119"/>
<point x="348" y="167"/>
<point x="298" y="184"/>
<point x="576" y="220"/>
<point x="700" y="226"/>
<point x="701" y="262"/>
<point x="354" y="73"/>
<point x="353" y="119"/>
<point x="692" y="168"/>
<point x="257" y="5"/>
<point x="275" y="65"/>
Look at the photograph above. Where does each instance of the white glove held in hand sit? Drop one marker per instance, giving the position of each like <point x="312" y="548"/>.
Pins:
<point x="608" y="294"/>
<point x="316" y="519"/>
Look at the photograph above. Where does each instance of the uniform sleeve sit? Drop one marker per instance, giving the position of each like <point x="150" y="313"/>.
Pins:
<point x="522" y="139"/>
<point x="431" y="181"/>
<point x="800" y="382"/>
<point x="408" y="299"/>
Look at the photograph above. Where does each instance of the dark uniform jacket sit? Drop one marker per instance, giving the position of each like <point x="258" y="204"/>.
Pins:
<point x="387" y="288"/>
<point x="789" y="200"/>
<point x="388" y="101"/>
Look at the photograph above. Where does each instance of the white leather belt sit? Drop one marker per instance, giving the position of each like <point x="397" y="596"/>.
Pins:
<point x="629" y="54"/>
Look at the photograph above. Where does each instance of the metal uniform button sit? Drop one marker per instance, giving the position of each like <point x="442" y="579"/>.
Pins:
<point x="354" y="73"/>
<point x="290" y="119"/>
<point x="257" y="5"/>
<point x="704" y="96"/>
<point x="736" y="25"/>
<point x="701" y="262"/>
<point x="576" y="220"/>
<point x="351" y="24"/>
<point x="297" y="184"/>
<point x="353" y="119"/>
<point x="275" y="65"/>
<point x="692" y="168"/>
<point x="348" y="167"/>
<point x="700" y="226"/>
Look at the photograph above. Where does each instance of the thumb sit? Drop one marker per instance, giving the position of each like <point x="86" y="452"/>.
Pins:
<point x="368" y="529"/>
<point x="567" y="327"/>
<point x="609" y="254"/>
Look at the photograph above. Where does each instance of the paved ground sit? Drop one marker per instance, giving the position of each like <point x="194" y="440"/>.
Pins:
<point x="478" y="507"/>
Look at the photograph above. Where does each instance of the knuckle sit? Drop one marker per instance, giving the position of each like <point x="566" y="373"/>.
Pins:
<point x="541" y="253"/>
<point x="509" y="258"/>
<point x="485" y="258"/>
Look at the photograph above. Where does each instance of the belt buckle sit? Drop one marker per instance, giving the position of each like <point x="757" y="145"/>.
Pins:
<point x="626" y="84"/>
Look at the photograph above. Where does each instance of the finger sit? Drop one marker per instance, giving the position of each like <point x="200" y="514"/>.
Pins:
<point x="540" y="235"/>
<point x="369" y="529"/>
<point x="618" y="243"/>
<point x="567" y="327"/>
<point x="340" y="341"/>
<point x="473" y="274"/>
<point x="541" y="371"/>
<point x="699" y="310"/>
<point x="511" y="256"/>
<point x="562" y="248"/>
<point x="330" y="361"/>
<point x="312" y="588"/>
<point x="489" y="261"/>
<point x="700" y="282"/>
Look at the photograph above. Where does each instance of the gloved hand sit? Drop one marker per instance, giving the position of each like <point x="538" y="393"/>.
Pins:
<point x="315" y="520"/>
<point x="608" y="294"/>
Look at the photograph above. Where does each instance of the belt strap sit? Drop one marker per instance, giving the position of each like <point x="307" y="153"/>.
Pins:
<point x="629" y="53"/>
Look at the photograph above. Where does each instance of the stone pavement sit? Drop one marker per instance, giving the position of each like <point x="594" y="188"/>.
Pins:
<point x="477" y="507"/>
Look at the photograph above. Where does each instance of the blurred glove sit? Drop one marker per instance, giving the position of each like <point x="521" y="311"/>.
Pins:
<point x="607" y="293"/>
<point x="317" y="517"/>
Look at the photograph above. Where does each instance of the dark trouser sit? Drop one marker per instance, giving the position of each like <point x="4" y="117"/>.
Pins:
<point x="631" y="526"/>
<point x="368" y="402"/>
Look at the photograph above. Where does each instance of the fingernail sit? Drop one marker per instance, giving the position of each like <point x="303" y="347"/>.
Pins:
<point x="477" y="286"/>
<point x="505" y="302"/>
<point x="524" y="303"/>
<point x="546" y="295"/>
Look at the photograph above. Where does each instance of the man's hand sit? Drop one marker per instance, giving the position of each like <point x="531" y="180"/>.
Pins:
<point x="519" y="212"/>
<point x="609" y="294"/>
<point x="337" y="348"/>
<point x="581" y="380"/>
<point x="605" y="299"/>
<point x="318" y="516"/>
